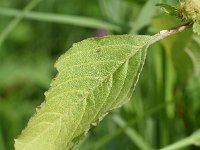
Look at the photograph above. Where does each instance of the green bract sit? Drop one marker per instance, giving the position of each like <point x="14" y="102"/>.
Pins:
<point x="94" y="77"/>
<point x="168" y="9"/>
<point x="196" y="28"/>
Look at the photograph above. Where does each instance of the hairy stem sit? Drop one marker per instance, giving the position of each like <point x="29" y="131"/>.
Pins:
<point x="165" y="33"/>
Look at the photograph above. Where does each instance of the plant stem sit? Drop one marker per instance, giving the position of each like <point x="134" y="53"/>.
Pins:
<point x="165" y="33"/>
<point x="132" y="134"/>
<point x="191" y="140"/>
<point x="178" y="145"/>
<point x="61" y="18"/>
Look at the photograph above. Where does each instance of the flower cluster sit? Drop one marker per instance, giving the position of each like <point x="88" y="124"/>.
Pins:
<point x="189" y="10"/>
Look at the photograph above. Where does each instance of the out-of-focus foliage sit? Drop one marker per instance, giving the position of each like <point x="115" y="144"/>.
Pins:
<point x="165" y="106"/>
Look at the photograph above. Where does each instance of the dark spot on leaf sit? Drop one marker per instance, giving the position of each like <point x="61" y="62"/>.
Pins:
<point x="98" y="50"/>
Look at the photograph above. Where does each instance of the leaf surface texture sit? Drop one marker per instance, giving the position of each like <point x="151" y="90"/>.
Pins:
<point x="94" y="77"/>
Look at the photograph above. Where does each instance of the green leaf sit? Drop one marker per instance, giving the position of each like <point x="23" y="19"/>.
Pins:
<point x="168" y="9"/>
<point x="94" y="77"/>
<point x="196" y="28"/>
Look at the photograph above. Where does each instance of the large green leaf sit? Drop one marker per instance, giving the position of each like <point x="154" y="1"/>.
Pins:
<point x="94" y="77"/>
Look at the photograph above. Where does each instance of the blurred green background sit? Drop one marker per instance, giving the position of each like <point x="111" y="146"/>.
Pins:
<point x="165" y="106"/>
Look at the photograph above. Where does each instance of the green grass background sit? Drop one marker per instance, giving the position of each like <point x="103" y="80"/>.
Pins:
<point x="165" y="106"/>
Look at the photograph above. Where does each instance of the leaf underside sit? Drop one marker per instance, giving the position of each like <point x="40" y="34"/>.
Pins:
<point x="94" y="77"/>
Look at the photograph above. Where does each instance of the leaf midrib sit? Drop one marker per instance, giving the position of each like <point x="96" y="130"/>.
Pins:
<point x="90" y="92"/>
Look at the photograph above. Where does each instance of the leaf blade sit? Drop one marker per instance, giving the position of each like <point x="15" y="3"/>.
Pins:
<point x="85" y="89"/>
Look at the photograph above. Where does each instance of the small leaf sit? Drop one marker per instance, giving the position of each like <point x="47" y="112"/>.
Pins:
<point x="196" y="28"/>
<point x="94" y="77"/>
<point x="168" y="9"/>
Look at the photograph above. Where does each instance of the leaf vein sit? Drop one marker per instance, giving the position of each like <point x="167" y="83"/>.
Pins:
<point x="89" y="63"/>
